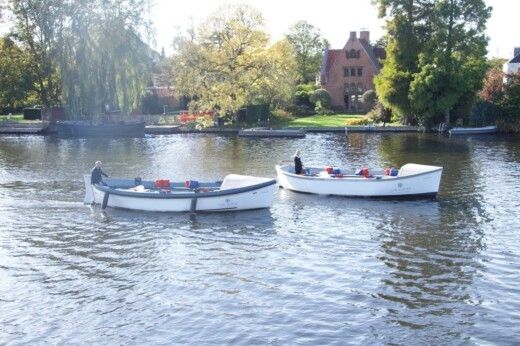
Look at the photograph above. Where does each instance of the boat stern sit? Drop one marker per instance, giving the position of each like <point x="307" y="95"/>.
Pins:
<point x="89" y="190"/>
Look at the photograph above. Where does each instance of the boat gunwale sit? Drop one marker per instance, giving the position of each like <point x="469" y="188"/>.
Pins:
<point x="360" y="178"/>
<point x="189" y="195"/>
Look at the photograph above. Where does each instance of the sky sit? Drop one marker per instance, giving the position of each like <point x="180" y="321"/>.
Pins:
<point x="334" y="18"/>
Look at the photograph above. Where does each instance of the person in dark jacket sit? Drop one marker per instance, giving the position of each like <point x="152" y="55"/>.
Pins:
<point x="298" y="167"/>
<point x="96" y="175"/>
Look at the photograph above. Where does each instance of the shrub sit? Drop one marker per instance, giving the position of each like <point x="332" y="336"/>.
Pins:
<point x="300" y="110"/>
<point x="358" y="121"/>
<point x="369" y="99"/>
<point x="281" y="115"/>
<point x="323" y="97"/>
<point x="379" y="114"/>
<point x="321" y="110"/>
<point x="303" y="94"/>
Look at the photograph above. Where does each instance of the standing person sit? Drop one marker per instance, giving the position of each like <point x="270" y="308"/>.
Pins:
<point x="96" y="174"/>
<point x="298" y="167"/>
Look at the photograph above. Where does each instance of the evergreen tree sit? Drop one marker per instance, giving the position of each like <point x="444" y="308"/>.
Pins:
<point x="453" y="63"/>
<point x="435" y="56"/>
<point x="408" y="30"/>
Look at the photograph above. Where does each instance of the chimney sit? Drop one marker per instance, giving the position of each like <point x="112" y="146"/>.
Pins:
<point x="364" y="35"/>
<point x="353" y="35"/>
<point x="517" y="51"/>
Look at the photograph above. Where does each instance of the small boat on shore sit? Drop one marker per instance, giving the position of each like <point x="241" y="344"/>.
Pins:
<point x="89" y="129"/>
<point x="264" y="132"/>
<point x="235" y="192"/>
<point x="473" y="130"/>
<point x="411" y="180"/>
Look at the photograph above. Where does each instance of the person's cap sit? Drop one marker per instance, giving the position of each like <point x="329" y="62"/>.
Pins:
<point x="297" y="153"/>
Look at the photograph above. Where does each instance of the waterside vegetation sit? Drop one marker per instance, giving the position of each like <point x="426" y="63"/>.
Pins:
<point x="90" y="57"/>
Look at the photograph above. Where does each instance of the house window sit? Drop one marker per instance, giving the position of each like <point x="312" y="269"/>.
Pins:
<point x="352" y="54"/>
<point x="360" y="71"/>
<point x="345" y="71"/>
<point x="353" y="72"/>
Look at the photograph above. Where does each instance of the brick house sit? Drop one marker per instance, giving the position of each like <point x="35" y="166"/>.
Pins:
<point x="347" y="73"/>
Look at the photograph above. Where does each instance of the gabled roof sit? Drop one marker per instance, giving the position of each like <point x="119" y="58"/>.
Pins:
<point x="515" y="60"/>
<point x="329" y="57"/>
<point x="370" y="52"/>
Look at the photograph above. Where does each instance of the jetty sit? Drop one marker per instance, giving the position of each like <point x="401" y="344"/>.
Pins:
<point x="21" y="128"/>
<point x="162" y="129"/>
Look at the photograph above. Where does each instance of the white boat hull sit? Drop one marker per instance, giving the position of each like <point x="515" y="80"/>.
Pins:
<point x="422" y="180"/>
<point x="473" y="130"/>
<point x="253" y="198"/>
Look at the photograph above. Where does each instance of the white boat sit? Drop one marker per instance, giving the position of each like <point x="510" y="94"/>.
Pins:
<point x="411" y="180"/>
<point x="473" y="130"/>
<point x="235" y="192"/>
<point x="262" y="132"/>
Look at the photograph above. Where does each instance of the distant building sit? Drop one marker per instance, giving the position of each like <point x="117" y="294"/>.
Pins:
<point x="347" y="73"/>
<point x="513" y="65"/>
<point x="159" y="88"/>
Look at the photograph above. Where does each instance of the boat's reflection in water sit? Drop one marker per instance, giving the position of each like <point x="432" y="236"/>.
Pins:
<point x="243" y="222"/>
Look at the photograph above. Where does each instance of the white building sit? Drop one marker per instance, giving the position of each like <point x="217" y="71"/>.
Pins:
<point x="513" y="65"/>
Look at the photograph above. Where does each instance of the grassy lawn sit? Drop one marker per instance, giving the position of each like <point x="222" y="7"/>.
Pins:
<point x="335" y="120"/>
<point x="14" y="117"/>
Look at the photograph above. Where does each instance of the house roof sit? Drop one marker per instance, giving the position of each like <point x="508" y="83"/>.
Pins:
<point x="515" y="60"/>
<point x="329" y="57"/>
<point x="370" y="52"/>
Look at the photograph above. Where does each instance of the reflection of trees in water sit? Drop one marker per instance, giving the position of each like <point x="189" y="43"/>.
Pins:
<point x="52" y="157"/>
<point x="398" y="149"/>
<point x="431" y="268"/>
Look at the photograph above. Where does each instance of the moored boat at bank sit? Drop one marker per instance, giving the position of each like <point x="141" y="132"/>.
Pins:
<point x="410" y="180"/>
<point x="90" y="129"/>
<point x="473" y="130"/>
<point x="235" y="192"/>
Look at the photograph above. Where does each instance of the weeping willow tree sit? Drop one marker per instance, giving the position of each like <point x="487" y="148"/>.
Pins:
<point x="104" y="63"/>
<point x="98" y="48"/>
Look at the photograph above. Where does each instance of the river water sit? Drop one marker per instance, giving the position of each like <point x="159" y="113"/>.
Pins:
<point x="312" y="270"/>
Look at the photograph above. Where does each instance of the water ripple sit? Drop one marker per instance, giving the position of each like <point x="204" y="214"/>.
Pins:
<point x="312" y="270"/>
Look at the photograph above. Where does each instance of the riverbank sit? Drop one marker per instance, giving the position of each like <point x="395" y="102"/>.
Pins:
<point x="23" y="127"/>
<point x="42" y="128"/>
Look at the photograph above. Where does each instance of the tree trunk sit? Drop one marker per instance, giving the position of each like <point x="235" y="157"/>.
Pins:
<point x="447" y="117"/>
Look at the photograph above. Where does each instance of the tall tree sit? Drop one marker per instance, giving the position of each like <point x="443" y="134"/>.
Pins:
<point x="16" y="77"/>
<point x="453" y="64"/>
<point x="408" y="30"/>
<point x="308" y="46"/>
<point x="105" y="63"/>
<point x="90" y="49"/>
<point x="436" y="56"/>
<point x="227" y="63"/>
<point x="38" y="27"/>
